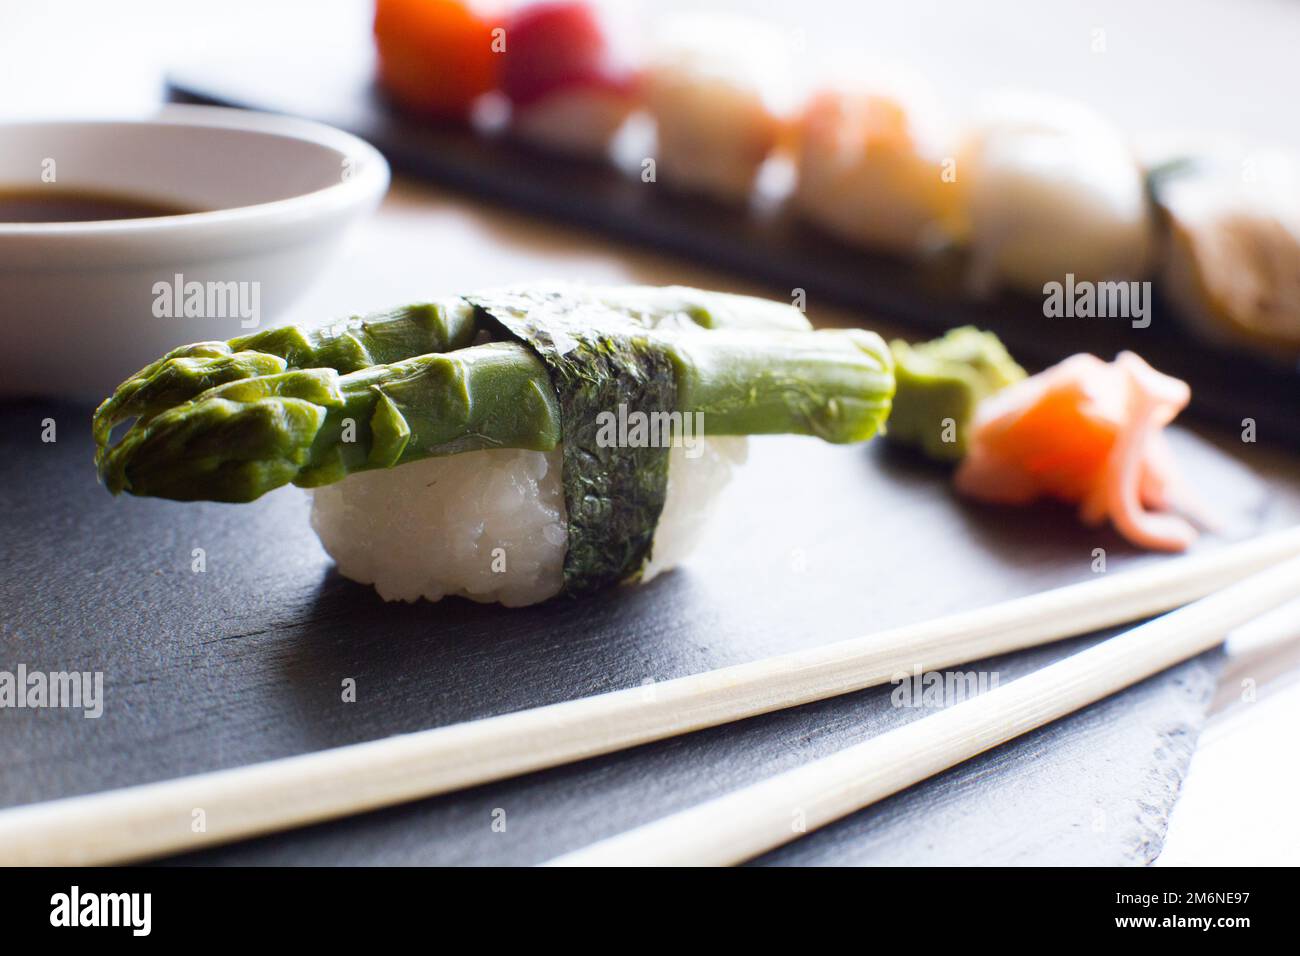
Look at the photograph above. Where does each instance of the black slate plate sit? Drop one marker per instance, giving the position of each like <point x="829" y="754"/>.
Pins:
<point x="764" y="245"/>
<point x="244" y="662"/>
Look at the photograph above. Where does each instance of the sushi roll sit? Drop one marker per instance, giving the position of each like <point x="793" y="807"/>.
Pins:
<point x="530" y="442"/>
<point x="1051" y="189"/>
<point x="719" y="89"/>
<point x="871" y="170"/>
<point x="436" y="57"/>
<point x="1231" y="250"/>
<point x="566" y="88"/>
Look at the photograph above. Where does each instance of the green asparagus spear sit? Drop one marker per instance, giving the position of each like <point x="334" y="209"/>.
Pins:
<point x="240" y="440"/>
<point x="314" y="426"/>
<point x="678" y="306"/>
<point x="835" y="384"/>
<point x="385" y="337"/>
<point x="379" y="338"/>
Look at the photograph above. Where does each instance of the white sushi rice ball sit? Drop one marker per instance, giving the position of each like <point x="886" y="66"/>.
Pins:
<point x="694" y="484"/>
<point x="1052" y="187"/>
<point x="491" y="525"/>
<point x="486" y="525"/>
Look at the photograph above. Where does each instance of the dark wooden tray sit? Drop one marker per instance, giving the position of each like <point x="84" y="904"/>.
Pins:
<point x="245" y="661"/>
<point x="764" y="245"/>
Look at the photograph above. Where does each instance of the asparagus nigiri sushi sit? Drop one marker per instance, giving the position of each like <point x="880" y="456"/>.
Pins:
<point x="508" y="446"/>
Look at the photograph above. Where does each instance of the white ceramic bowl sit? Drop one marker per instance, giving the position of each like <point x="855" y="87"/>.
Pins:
<point x="84" y="304"/>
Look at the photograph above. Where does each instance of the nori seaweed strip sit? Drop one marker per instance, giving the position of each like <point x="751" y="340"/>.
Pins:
<point x="597" y="358"/>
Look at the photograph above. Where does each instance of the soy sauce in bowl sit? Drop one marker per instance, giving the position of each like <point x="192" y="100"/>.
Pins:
<point x="76" y="205"/>
<point x="229" y="196"/>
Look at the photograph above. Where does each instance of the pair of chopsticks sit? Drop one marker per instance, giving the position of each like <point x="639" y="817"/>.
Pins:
<point x="744" y="823"/>
<point x="156" y="819"/>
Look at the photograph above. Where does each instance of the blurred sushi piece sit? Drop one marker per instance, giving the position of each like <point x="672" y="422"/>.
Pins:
<point x="436" y="57"/>
<point x="1051" y="189"/>
<point x="720" y="90"/>
<point x="566" y="87"/>
<point x="872" y="170"/>
<point x="1231" y="252"/>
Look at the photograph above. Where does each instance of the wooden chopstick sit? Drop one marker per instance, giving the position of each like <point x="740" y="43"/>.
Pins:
<point x="746" y="822"/>
<point x="157" y="818"/>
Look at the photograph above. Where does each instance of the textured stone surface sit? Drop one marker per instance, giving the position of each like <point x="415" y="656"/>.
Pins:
<point x="245" y="661"/>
